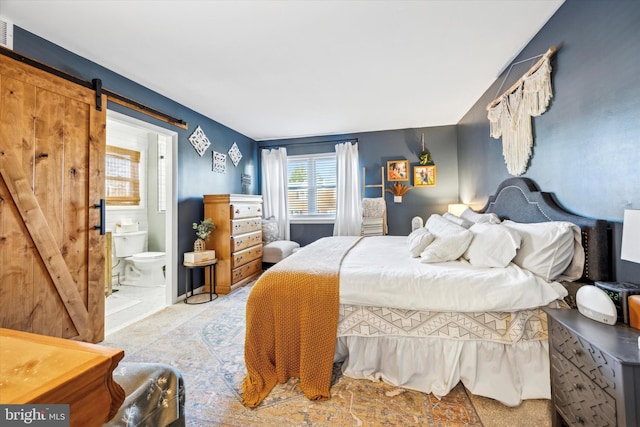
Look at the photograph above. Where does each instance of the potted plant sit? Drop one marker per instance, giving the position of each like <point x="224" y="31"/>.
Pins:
<point x="398" y="190"/>
<point x="203" y="230"/>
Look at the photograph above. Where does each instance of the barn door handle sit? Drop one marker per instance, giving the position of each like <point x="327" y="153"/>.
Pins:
<point x="103" y="210"/>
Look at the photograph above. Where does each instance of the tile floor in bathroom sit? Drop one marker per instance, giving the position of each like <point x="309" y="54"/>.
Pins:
<point x="130" y="304"/>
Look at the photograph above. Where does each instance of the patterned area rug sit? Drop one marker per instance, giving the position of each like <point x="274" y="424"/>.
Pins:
<point x="208" y="350"/>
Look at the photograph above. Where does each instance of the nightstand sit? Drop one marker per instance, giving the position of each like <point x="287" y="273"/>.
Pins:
<point x="595" y="371"/>
<point x="190" y="266"/>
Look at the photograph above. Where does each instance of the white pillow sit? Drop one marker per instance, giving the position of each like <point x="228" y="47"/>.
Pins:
<point x="270" y="231"/>
<point x="576" y="266"/>
<point x="493" y="245"/>
<point x="475" y="217"/>
<point x="439" y="226"/>
<point x="450" y="243"/>
<point x="457" y="220"/>
<point x="418" y="240"/>
<point x="547" y="248"/>
<point x="447" y="247"/>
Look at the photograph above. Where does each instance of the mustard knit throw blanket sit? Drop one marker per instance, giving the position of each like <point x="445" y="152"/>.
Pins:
<point x="292" y="322"/>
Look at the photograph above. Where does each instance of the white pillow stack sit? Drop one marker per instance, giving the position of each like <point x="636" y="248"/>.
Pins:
<point x="552" y="250"/>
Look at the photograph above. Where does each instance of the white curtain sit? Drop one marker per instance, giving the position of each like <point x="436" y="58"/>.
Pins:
<point x="274" y="188"/>
<point x="348" y="207"/>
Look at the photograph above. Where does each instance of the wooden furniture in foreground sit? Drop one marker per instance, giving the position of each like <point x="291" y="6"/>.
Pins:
<point x="595" y="371"/>
<point x="237" y="238"/>
<point x="45" y="370"/>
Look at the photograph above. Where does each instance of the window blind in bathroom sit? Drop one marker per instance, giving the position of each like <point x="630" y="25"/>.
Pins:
<point x="122" y="181"/>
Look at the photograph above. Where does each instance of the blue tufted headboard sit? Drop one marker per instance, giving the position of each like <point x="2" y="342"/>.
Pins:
<point x="520" y="200"/>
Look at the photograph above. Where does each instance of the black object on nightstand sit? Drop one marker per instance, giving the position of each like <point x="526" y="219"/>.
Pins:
<point x="595" y="371"/>
<point x="619" y="293"/>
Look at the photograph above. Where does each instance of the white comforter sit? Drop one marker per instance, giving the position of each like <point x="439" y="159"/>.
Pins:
<point x="379" y="271"/>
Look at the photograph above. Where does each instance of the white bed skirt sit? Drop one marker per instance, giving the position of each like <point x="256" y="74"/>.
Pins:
<point x="509" y="373"/>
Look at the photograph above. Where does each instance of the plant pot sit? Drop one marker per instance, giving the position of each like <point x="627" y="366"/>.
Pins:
<point x="397" y="199"/>
<point x="199" y="245"/>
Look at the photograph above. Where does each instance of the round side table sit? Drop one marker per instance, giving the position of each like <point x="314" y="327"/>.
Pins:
<point x="190" y="266"/>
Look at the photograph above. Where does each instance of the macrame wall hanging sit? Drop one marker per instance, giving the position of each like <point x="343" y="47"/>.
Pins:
<point x="510" y="114"/>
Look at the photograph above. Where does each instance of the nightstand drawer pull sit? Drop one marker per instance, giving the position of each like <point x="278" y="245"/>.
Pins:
<point x="579" y="419"/>
<point x="577" y="352"/>
<point x="578" y="386"/>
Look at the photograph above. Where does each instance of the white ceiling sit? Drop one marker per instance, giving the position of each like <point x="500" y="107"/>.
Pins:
<point x="279" y="69"/>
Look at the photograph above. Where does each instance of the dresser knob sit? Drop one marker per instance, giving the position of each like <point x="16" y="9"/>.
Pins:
<point x="237" y="211"/>
<point x="578" y="386"/>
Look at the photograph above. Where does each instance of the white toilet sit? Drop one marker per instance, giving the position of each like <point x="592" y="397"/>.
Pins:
<point x="141" y="268"/>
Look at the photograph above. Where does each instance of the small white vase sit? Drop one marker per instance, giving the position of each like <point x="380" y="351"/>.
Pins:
<point x="397" y="199"/>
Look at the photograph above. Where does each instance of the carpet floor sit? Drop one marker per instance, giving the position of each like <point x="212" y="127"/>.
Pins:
<point x="205" y="343"/>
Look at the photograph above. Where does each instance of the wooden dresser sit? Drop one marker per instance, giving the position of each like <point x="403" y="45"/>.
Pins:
<point x="39" y="369"/>
<point x="595" y="371"/>
<point x="237" y="238"/>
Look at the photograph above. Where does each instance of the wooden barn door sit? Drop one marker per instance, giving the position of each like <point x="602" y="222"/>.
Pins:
<point x="52" y="142"/>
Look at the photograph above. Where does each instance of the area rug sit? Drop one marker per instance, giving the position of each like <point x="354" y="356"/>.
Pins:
<point x="208" y="350"/>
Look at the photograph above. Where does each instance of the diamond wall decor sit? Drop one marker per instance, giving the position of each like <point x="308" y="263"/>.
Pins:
<point x="199" y="141"/>
<point x="235" y="154"/>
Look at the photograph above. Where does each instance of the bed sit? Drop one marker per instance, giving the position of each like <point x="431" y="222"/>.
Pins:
<point x="426" y="322"/>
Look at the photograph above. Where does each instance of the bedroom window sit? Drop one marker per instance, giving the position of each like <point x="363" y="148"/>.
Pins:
<point x="122" y="181"/>
<point x="312" y="186"/>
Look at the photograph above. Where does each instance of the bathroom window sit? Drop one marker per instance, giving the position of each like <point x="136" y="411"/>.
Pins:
<point x="122" y="176"/>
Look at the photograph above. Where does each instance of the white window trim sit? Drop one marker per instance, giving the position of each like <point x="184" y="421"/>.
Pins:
<point x="311" y="219"/>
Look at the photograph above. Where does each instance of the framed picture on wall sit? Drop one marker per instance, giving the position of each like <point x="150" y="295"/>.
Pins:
<point x="424" y="176"/>
<point x="398" y="170"/>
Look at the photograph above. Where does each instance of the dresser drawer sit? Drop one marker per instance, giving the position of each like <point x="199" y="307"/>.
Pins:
<point x="241" y="210"/>
<point x="579" y="400"/>
<point x="241" y="226"/>
<point x="243" y="257"/>
<point x="595" y="364"/>
<point x="244" y="241"/>
<point x="247" y="270"/>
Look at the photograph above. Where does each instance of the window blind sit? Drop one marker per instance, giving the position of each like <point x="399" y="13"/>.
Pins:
<point x="122" y="182"/>
<point x="312" y="185"/>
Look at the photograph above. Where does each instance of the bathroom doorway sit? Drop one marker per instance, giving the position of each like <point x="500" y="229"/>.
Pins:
<point x="129" y="300"/>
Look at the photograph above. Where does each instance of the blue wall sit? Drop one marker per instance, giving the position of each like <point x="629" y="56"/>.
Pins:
<point x="195" y="177"/>
<point x="374" y="150"/>
<point x="587" y="145"/>
<point x="586" y="150"/>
